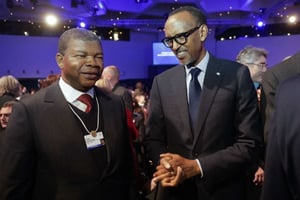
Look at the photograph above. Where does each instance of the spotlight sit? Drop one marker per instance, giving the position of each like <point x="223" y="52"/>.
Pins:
<point x="292" y="19"/>
<point x="51" y="20"/>
<point x="116" y="36"/>
<point x="260" y="23"/>
<point x="82" y="24"/>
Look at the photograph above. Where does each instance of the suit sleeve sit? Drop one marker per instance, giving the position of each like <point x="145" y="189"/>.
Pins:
<point x="269" y="85"/>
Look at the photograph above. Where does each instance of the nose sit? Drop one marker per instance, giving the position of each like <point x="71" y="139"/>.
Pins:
<point x="91" y="61"/>
<point x="175" y="45"/>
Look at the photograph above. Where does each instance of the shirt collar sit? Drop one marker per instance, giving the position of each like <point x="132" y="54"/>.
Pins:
<point x="201" y="65"/>
<point x="70" y="93"/>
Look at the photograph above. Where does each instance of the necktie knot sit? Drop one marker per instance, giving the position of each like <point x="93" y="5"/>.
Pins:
<point x="87" y="100"/>
<point x="195" y="72"/>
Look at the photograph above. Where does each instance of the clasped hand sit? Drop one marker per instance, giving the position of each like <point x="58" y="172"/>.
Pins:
<point x="173" y="170"/>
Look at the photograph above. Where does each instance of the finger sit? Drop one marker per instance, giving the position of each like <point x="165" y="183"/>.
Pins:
<point x="174" y="181"/>
<point x="165" y="163"/>
<point x="163" y="177"/>
<point x="160" y="172"/>
<point x="153" y="184"/>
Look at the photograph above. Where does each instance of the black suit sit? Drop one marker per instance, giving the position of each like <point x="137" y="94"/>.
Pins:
<point x="282" y="174"/>
<point x="44" y="155"/>
<point x="271" y="79"/>
<point x="125" y="94"/>
<point x="226" y="136"/>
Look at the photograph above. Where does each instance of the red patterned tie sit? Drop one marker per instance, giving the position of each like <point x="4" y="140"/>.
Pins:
<point x="87" y="100"/>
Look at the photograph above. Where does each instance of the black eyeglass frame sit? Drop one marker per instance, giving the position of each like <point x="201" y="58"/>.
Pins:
<point x="259" y="65"/>
<point x="185" y="35"/>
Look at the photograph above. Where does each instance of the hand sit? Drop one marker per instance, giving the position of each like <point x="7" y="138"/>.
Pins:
<point x="189" y="168"/>
<point x="166" y="178"/>
<point x="258" y="176"/>
<point x="163" y="171"/>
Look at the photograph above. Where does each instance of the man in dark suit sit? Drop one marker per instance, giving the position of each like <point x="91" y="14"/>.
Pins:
<point x="282" y="175"/>
<point x="271" y="79"/>
<point x="61" y="148"/>
<point x="255" y="59"/>
<point x="206" y="159"/>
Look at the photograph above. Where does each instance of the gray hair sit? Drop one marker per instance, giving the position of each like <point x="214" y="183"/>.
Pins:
<point x="9" y="85"/>
<point x="250" y="54"/>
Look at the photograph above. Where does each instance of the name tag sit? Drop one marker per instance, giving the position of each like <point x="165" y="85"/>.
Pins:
<point x="94" y="141"/>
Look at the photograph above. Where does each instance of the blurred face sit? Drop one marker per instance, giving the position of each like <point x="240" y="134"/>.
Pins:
<point x="4" y="115"/>
<point x="191" y="50"/>
<point x="257" y="69"/>
<point x="81" y="64"/>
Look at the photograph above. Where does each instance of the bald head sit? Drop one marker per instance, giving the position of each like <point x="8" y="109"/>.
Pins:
<point x="111" y="73"/>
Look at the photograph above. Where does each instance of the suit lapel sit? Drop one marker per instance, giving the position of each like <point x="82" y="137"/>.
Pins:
<point x="211" y="84"/>
<point x="179" y="88"/>
<point x="58" y="105"/>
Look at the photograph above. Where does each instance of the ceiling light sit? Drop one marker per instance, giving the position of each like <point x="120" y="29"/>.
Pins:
<point x="292" y="19"/>
<point x="82" y="24"/>
<point x="51" y="20"/>
<point x="260" y="23"/>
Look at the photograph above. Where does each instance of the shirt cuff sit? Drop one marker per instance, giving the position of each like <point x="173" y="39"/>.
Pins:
<point x="201" y="171"/>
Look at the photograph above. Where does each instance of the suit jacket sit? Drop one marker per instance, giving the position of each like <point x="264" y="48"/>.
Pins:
<point x="271" y="79"/>
<point x="125" y="94"/>
<point x="282" y="175"/>
<point x="226" y="136"/>
<point x="44" y="155"/>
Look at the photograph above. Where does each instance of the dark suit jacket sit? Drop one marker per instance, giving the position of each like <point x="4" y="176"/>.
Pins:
<point x="125" y="94"/>
<point x="271" y="79"/>
<point x="226" y="136"/>
<point x="282" y="175"/>
<point x="44" y="155"/>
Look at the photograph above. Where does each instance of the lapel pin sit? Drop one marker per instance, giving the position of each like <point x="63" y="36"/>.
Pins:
<point x="218" y="73"/>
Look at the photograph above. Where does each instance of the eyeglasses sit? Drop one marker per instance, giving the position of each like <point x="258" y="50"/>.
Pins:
<point x="180" y="38"/>
<point x="260" y="65"/>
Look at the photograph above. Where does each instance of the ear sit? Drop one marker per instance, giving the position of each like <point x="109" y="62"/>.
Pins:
<point x="203" y="32"/>
<point x="59" y="60"/>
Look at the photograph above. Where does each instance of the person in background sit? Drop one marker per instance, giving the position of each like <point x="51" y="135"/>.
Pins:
<point x="282" y="175"/>
<point x="203" y="126"/>
<point x="255" y="59"/>
<point x="139" y="88"/>
<point x="111" y="79"/>
<point x="10" y="89"/>
<point x="69" y="140"/>
<point x="110" y="82"/>
<point x="271" y="79"/>
<point x="5" y="112"/>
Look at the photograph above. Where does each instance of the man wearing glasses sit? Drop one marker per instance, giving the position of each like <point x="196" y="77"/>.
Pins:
<point x="255" y="59"/>
<point x="203" y="126"/>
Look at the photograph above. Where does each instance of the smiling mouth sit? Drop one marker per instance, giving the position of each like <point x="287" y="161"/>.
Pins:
<point x="181" y="54"/>
<point x="92" y="75"/>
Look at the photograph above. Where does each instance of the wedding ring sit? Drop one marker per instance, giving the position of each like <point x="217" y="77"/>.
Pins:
<point x="172" y="173"/>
